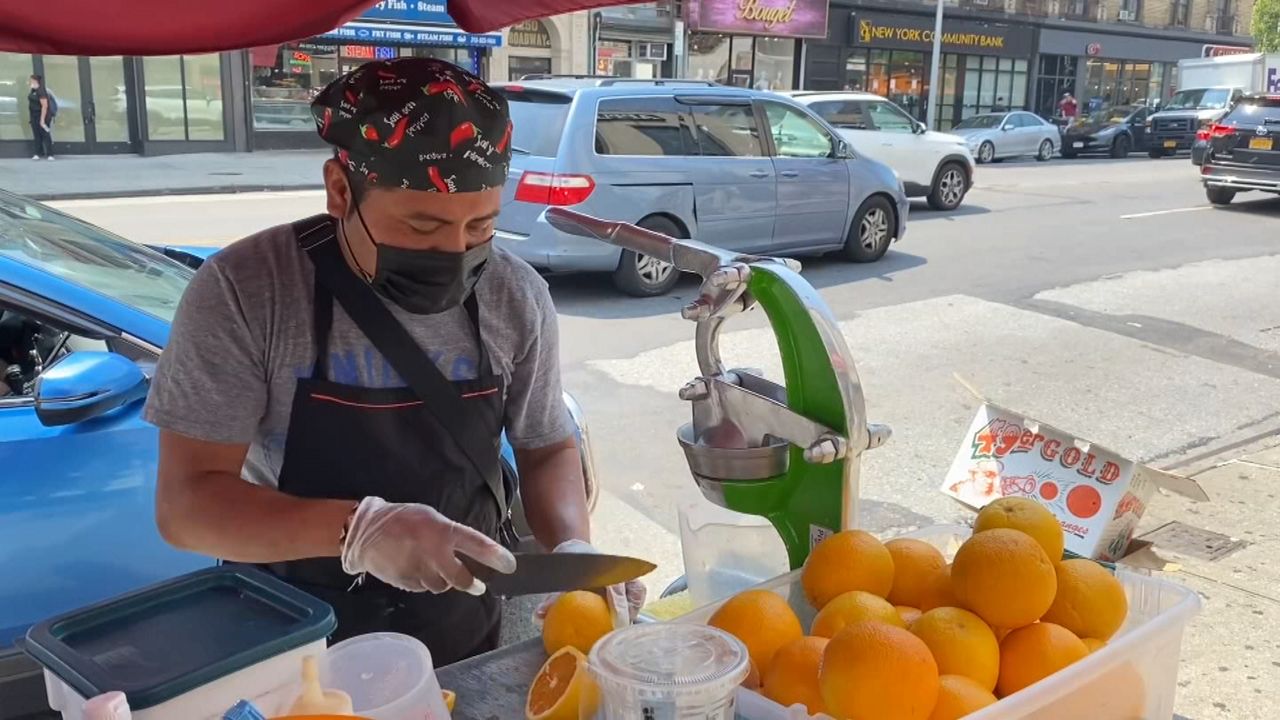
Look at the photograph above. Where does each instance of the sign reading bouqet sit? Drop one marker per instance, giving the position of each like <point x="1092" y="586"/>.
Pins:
<point x="774" y="18"/>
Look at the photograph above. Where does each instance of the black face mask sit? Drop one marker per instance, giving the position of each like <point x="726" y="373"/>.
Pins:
<point x="424" y="282"/>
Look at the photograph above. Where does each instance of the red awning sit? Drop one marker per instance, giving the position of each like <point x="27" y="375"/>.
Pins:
<point x="169" y="27"/>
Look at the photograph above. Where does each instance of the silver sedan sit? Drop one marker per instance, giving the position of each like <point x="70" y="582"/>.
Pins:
<point x="996" y="136"/>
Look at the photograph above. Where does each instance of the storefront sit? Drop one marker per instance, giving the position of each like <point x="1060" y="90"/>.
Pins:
<point x="152" y="105"/>
<point x="1103" y="69"/>
<point x="751" y="43"/>
<point x="529" y="50"/>
<point x="285" y="78"/>
<point x="985" y="64"/>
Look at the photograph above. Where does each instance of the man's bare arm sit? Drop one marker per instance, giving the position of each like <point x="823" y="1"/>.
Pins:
<point x="203" y="505"/>
<point x="553" y="493"/>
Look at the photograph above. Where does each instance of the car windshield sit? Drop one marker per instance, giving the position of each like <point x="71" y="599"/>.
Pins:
<point x="47" y="240"/>
<point x="1111" y="115"/>
<point x="537" y="120"/>
<point x="1256" y="111"/>
<point x="981" y="122"/>
<point x="1199" y="99"/>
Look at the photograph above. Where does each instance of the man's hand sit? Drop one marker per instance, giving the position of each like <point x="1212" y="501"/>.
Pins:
<point x="414" y="547"/>
<point x="624" y="600"/>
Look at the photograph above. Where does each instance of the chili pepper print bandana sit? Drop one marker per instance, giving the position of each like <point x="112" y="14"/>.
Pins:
<point x="417" y="124"/>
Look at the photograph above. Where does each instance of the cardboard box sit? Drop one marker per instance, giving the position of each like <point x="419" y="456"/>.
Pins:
<point x="1096" y="494"/>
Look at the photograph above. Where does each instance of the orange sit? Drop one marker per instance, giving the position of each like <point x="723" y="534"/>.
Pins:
<point x="874" y="671"/>
<point x="1033" y="653"/>
<point x="959" y="696"/>
<point x="577" y="619"/>
<point x="848" y="560"/>
<point x="850" y="608"/>
<point x="1120" y="693"/>
<point x="762" y="621"/>
<point x="1093" y="645"/>
<point x="793" y="676"/>
<point x="1025" y="515"/>
<point x="752" y="680"/>
<point x="562" y="689"/>
<point x="962" y="644"/>
<point x="450" y="699"/>
<point x="908" y="615"/>
<point x="1005" y="577"/>
<point x="916" y="567"/>
<point x="1090" y="602"/>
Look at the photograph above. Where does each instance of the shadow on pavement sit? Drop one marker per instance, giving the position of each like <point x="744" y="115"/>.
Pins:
<point x="1250" y="204"/>
<point x="593" y="295"/>
<point x="921" y="212"/>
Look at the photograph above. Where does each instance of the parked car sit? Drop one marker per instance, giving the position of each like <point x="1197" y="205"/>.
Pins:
<point x="1001" y="135"/>
<point x="934" y="165"/>
<point x="1175" y="125"/>
<point x="84" y="315"/>
<point x="1116" y="131"/>
<point x="1243" y="150"/>
<point x="742" y="169"/>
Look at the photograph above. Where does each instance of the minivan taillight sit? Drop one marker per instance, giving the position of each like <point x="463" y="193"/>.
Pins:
<point x="557" y="189"/>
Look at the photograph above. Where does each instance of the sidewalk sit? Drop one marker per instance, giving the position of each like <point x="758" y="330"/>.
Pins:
<point x="103" y="176"/>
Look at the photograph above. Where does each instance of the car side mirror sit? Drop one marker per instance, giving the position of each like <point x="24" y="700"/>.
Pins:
<point x="86" y="385"/>
<point x="1006" y="128"/>
<point x="920" y="128"/>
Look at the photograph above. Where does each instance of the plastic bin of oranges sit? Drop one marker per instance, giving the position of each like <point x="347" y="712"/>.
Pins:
<point x="944" y="623"/>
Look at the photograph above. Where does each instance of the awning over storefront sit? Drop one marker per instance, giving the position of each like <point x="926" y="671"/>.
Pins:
<point x="362" y="32"/>
<point x="165" y="27"/>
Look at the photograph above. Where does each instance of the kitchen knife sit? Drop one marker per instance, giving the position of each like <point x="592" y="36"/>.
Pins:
<point x="538" y="573"/>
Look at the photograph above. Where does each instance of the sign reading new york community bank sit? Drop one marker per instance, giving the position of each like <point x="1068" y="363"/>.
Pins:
<point x="774" y="18"/>
<point x="915" y="32"/>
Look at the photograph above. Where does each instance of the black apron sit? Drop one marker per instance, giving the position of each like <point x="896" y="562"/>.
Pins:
<point x="435" y="442"/>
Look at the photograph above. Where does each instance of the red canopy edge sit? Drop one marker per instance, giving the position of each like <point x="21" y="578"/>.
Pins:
<point x="172" y="27"/>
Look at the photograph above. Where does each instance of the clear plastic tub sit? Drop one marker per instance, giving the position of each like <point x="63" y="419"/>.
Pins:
<point x="667" y="671"/>
<point x="726" y="552"/>
<point x="388" y="676"/>
<point x="1134" y="676"/>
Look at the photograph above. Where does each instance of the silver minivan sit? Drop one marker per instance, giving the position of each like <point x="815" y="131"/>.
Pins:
<point x="742" y="169"/>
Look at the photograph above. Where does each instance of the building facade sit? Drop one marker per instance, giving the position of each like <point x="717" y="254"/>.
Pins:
<point x="558" y="45"/>
<point x="1020" y="54"/>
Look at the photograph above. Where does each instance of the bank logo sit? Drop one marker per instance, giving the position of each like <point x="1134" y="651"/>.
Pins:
<point x="864" y="31"/>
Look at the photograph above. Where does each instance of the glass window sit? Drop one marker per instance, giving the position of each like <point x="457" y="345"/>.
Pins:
<point x="775" y="63"/>
<point x="740" y="56"/>
<point x="183" y="96"/>
<point x="851" y="114"/>
<point x="537" y="120"/>
<point x="62" y="78"/>
<point x="285" y="83"/>
<point x="887" y="117"/>
<point x="110" y="101"/>
<point x="727" y="130"/>
<point x="795" y="134"/>
<point x="709" y="57"/>
<point x="15" y="76"/>
<point x="855" y="70"/>
<point x="642" y="126"/>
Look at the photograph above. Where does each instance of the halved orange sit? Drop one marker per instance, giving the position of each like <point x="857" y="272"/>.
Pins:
<point x="563" y="688"/>
<point x="450" y="699"/>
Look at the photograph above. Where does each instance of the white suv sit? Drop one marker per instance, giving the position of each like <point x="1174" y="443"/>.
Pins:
<point x="935" y="165"/>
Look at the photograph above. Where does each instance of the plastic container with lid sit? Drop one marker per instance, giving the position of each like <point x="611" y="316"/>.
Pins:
<point x="667" y="671"/>
<point x="388" y="676"/>
<point x="188" y="648"/>
<point x="1141" y="659"/>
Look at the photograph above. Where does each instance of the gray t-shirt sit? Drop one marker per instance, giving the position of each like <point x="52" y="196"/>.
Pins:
<point x="243" y="336"/>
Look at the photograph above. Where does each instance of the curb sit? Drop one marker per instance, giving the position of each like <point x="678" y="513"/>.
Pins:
<point x="166" y="192"/>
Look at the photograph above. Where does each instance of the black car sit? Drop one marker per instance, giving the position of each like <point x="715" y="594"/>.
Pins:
<point x="1116" y="131"/>
<point x="1244" y="150"/>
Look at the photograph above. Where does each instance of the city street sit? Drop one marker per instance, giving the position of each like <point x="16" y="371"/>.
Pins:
<point x="1103" y="296"/>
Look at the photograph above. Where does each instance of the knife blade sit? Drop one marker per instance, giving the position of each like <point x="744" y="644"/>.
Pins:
<point x="539" y="573"/>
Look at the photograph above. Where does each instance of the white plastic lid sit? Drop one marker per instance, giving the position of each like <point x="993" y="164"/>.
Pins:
<point x="670" y="658"/>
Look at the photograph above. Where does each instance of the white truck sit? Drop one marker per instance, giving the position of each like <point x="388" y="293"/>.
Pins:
<point x="1208" y="89"/>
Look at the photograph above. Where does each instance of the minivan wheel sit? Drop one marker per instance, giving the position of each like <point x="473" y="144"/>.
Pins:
<point x="871" y="232"/>
<point x="642" y="276"/>
<point x="1220" y="196"/>
<point x="949" y="187"/>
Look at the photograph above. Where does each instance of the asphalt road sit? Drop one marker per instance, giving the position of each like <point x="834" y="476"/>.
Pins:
<point x="1103" y="296"/>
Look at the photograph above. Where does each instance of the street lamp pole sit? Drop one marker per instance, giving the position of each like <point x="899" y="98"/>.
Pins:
<point x="931" y="112"/>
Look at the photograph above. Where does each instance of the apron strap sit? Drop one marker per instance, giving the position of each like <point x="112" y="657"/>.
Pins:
<point x="437" y="393"/>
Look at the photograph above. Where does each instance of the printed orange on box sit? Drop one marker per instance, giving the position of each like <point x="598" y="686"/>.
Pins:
<point x="1097" y="495"/>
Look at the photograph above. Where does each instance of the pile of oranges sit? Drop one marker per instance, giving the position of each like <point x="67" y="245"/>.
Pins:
<point x="900" y="634"/>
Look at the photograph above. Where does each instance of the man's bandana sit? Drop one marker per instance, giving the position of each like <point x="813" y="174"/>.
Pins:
<point x="417" y="124"/>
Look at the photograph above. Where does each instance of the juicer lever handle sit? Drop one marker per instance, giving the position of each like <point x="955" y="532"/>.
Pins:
<point x="687" y="255"/>
<point x="758" y="417"/>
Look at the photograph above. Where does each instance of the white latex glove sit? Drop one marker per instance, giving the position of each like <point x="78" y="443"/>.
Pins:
<point x="624" y="600"/>
<point x="414" y="547"/>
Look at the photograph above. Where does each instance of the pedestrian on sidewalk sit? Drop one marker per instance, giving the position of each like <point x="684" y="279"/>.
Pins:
<point x="1000" y="105"/>
<point x="40" y="106"/>
<point x="1068" y="106"/>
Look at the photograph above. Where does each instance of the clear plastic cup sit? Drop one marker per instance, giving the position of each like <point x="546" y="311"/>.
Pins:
<point x="388" y="676"/>
<point x="667" y="671"/>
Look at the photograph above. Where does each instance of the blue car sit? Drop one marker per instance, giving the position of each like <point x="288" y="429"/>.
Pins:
<point x="84" y="315"/>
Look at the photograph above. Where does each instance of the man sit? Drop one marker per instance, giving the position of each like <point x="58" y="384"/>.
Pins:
<point x="1069" y="107"/>
<point x="40" y="110"/>
<point x="358" y="368"/>
<point x="1000" y="106"/>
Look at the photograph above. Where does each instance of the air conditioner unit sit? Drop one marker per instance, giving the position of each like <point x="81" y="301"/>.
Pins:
<point x="1127" y="15"/>
<point x="1211" y="23"/>
<point x="651" y="51"/>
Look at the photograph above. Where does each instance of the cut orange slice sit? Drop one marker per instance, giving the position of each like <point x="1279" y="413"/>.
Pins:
<point x="563" y="689"/>
<point x="450" y="698"/>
